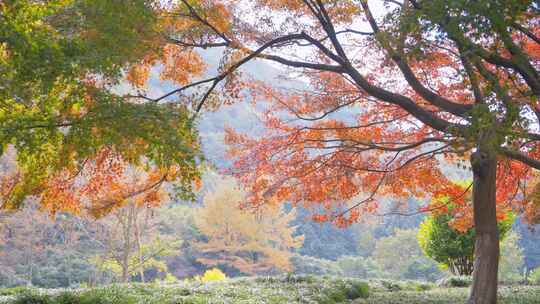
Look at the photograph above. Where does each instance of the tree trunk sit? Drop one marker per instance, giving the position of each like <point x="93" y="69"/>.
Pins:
<point x="486" y="252"/>
<point x="139" y="248"/>
<point x="462" y="266"/>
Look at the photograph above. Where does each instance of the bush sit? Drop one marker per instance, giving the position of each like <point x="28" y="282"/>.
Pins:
<point x="342" y="291"/>
<point x="423" y="287"/>
<point x="333" y="295"/>
<point x="391" y="285"/>
<point x="213" y="274"/>
<point x="455" y="281"/>
<point x="358" y="290"/>
<point x="97" y="296"/>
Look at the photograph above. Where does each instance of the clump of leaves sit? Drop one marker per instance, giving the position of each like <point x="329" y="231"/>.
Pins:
<point x="213" y="274"/>
<point x="391" y="286"/>
<point x="343" y="291"/>
<point x="358" y="290"/>
<point x="332" y="296"/>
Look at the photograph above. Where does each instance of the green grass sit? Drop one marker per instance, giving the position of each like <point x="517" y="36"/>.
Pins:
<point x="271" y="290"/>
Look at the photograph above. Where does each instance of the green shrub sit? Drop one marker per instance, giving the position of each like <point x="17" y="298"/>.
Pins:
<point x="358" y="290"/>
<point x="391" y="285"/>
<point x="415" y="285"/>
<point x="455" y="281"/>
<point x="96" y="296"/>
<point x="67" y="298"/>
<point x="342" y="290"/>
<point x="333" y="295"/>
<point x="423" y="287"/>
<point x="449" y="247"/>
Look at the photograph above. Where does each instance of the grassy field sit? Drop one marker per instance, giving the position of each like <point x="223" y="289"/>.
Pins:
<point x="265" y="290"/>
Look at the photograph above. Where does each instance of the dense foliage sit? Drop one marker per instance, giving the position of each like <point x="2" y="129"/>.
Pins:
<point x="59" y="61"/>
<point x="249" y="241"/>
<point x="452" y="248"/>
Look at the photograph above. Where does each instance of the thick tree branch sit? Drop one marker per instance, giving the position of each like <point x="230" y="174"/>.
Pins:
<point x="433" y="98"/>
<point x="521" y="157"/>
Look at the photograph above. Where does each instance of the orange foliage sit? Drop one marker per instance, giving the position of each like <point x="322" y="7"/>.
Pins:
<point x="354" y="135"/>
<point x="342" y="165"/>
<point x="103" y="184"/>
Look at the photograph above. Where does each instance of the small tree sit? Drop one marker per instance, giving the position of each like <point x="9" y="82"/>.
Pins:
<point x="251" y="242"/>
<point x="132" y="243"/>
<point x="451" y="248"/>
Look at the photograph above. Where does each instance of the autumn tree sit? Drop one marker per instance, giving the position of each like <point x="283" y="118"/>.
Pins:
<point x="130" y="243"/>
<point x="61" y="110"/>
<point x="127" y="229"/>
<point x="417" y="83"/>
<point x="253" y="242"/>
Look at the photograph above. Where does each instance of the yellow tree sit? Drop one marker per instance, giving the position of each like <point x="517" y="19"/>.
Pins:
<point x="252" y="241"/>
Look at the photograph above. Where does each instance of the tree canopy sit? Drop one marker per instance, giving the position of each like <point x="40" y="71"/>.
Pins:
<point x="61" y="64"/>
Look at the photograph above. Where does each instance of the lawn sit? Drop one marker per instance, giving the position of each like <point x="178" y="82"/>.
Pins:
<point x="273" y="290"/>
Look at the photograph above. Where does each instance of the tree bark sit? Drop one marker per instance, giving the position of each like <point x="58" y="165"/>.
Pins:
<point x="486" y="252"/>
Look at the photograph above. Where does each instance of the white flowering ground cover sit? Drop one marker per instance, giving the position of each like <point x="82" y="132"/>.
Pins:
<point x="271" y="290"/>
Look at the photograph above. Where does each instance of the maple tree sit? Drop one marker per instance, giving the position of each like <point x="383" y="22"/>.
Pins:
<point x="418" y="84"/>
<point x="62" y="66"/>
<point x="253" y="242"/>
<point x="127" y="228"/>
